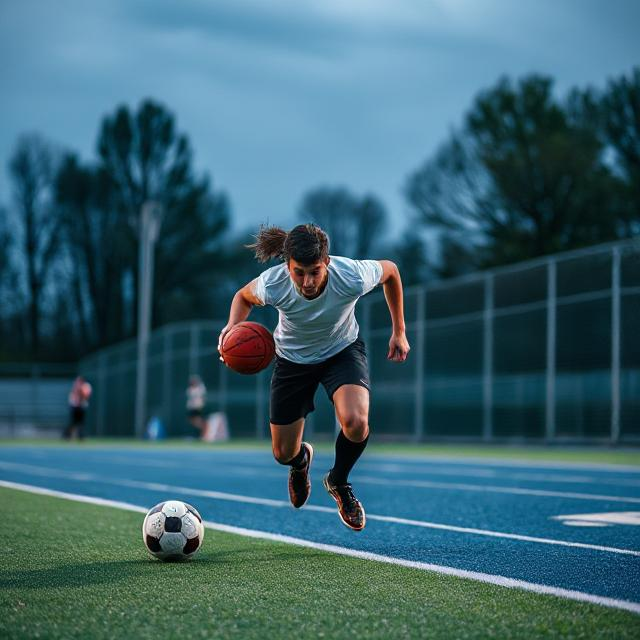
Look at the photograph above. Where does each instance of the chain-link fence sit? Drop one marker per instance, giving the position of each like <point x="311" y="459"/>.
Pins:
<point x="33" y="398"/>
<point x="546" y="350"/>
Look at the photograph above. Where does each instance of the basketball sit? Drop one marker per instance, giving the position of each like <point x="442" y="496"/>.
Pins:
<point x="248" y="347"/>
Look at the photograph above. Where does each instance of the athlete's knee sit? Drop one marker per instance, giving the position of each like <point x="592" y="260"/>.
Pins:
<point x="355" y="426"/>
<point x="282" y="453"/>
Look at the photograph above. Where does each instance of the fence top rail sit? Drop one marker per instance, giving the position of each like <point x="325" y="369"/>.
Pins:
<point x="37" y="369"/>
<point x="476" y="276"/>
<point x="173" y="327"/>
<point x="187" y="325"/>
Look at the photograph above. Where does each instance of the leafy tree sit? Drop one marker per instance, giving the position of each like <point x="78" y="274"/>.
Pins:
<point x="146" y="158"/>
<point x="354" y="225"/>
<point x="410" y="255"/>
<point x="11" y="310"/>
<point x="31" y="169"/>
<point x="620" y="113"/>
<point x="522" y="178"/>
<point x="95" y="233"/>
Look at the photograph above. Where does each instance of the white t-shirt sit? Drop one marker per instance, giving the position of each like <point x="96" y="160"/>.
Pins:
<point x="195" y="396"/>
<point x="311" y="331"/>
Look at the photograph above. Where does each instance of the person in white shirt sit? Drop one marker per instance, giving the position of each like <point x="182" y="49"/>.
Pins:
<point x="317" y="343"/>
<point x="196" y="395"/>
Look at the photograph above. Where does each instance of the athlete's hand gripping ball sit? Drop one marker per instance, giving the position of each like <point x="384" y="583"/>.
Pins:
<point x="247" y="347"/>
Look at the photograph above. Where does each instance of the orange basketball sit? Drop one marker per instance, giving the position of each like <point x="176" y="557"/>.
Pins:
<point x="248" y="347"/>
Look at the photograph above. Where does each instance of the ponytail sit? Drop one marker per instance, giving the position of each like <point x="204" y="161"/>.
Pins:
<point x="269" y="243"/>
<point x="306" y="243"/>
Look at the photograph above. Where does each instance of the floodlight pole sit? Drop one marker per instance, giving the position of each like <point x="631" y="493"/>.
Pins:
<point x="150" y="218"/>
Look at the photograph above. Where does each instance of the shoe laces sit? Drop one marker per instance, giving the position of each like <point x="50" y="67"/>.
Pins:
<point x="300" y="472"/>
<point x="348" y="498"/>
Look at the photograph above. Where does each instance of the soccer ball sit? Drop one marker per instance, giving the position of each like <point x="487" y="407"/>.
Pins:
<point x="173" y="530"/>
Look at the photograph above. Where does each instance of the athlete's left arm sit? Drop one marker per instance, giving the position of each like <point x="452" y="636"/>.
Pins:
<point x="392" y="286"/>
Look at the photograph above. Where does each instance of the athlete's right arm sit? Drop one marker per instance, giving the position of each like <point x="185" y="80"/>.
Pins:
<point x="241" y="305"/>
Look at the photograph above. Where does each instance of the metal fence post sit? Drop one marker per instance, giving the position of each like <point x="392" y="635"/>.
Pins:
<point x="420" y="359"/>
<point x="194" y="347"/>
<point x="222" y="389"/>
<point x="102" y="388"/>
<point x="550" y="400"/>
<point x="487" y="356"/>
<point x="35" y="393"/>
<point x="167" y="358"/>
<point x="615" y="345"/>
<point x="260" y="417"/>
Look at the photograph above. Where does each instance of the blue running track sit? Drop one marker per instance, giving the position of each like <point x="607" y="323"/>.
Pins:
<point x="493" y="517"/>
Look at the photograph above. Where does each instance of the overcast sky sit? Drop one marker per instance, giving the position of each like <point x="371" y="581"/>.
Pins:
<point x="278" y="96"/>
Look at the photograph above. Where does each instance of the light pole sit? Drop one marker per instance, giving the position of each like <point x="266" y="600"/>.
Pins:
<point x="150" y="218"/>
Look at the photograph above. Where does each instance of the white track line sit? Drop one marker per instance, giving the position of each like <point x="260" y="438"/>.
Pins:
<point x="487" y="488"/>
<point x="488" y="578"/>
<point x="417" y="459"/>
<point x="495" y="474"/>
<point x="283" y="504"/>
<point x="426" y="484"/>
<point x="502" y="462"/>
<point x="260" y="469"/>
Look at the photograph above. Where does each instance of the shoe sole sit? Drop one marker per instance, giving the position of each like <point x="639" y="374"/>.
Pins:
<point x="310" y="454"/>
<point x="344" y="522"/>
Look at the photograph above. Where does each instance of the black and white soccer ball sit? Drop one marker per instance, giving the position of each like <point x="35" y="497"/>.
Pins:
<point x="173" y="530"/>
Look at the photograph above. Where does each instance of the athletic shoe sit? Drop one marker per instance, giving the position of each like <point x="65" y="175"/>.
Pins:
<point x="299" y="481"/>
<point x="350" y="509"/>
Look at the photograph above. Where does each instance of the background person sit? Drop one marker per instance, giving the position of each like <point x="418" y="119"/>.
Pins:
<point x="78" y="403"/>
<point x="196" y="397"/>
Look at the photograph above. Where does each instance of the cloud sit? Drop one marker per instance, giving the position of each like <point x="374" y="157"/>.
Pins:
<point x="280" y="96"/>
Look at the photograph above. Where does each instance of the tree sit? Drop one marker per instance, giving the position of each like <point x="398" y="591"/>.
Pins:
<point x="95" y="232"/>
<point x="620" y="113"/>
<point x="411" y="257"/>
<point x="32" y="168"/>
<point x="354" y="225"/>
<point x="11" y="335"/>
<point x="146" y="158"/>
<point x="521" y="179"/>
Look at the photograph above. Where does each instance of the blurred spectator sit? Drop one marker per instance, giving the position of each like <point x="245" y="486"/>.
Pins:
<point x="78" y="403"/>
<point x="196" y="394"/>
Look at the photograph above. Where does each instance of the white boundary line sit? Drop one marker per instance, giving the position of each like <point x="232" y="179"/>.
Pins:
<point x="426" y="484"/>
<point x="269" y="502"/>
<point x="418" y="458"/>
<point x="488" y="488"/>
<point x="260" y="468"/>
<point x="506" y="462"/>
<point x="501" y="581"/>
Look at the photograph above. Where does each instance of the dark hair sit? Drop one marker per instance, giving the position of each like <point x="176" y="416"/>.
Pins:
<point x="306" y="243"/>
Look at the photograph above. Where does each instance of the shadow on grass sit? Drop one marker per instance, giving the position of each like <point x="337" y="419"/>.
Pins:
<point x="72" y="575"/>
<point x="96" y="573"/>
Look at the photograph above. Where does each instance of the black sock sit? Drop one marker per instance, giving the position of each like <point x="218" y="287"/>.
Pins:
<point x="300" y="460"/>
<point x="347" y="454"/>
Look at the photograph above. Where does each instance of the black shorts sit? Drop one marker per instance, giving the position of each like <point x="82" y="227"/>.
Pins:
<point x="293" y="385"/>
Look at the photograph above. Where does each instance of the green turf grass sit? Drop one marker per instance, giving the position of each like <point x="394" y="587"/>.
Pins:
<point x="73" y="570"/>
<point x="556" y="453"/>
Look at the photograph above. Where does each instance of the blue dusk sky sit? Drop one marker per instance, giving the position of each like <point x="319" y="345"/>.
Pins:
<point x="279" y="97"/>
